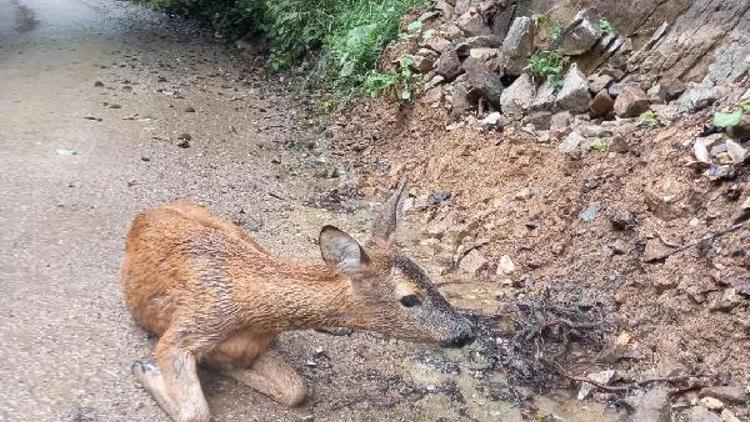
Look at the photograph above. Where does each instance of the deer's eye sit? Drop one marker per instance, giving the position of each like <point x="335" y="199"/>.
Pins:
<point x="410" y="301"/>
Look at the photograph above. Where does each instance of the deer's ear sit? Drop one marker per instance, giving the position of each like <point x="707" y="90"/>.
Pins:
<point x="341" y="251"/>
<point x="387" y="220"/>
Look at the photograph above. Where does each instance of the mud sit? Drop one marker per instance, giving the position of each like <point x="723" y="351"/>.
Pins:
<point x="95" y="97"/>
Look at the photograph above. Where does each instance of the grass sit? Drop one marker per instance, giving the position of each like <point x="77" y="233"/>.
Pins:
<point x="401" y="82"/>
<point x="340" y="39"/>
<point x="606" y="26"/>
<point x="549" y="65"/>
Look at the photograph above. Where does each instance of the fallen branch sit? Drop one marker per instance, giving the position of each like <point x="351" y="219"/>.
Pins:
<point x="704" y="239"/>
<point x="596" y="384"/>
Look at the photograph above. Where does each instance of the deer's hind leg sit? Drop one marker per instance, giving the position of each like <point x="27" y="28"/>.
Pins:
<point x="174" y="384"/>
<point x="272" y="375"/>
<point x="246" y="358"/>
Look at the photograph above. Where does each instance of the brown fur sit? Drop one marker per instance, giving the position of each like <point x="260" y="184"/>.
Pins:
<point x="217" y="298"/>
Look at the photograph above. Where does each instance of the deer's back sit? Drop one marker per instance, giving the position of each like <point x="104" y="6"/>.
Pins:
<point x="181" y="259"/>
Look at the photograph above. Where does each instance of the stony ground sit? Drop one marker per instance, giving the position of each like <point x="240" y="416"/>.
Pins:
<point x="597" y="229"/>
<point x="106" y="109"/>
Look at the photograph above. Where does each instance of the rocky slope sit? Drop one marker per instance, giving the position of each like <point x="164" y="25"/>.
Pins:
<point x="609" y="212"/>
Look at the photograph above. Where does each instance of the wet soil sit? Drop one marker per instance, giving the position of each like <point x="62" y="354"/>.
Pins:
<point x="107" y="108"/>
<point x="577" y="230"/>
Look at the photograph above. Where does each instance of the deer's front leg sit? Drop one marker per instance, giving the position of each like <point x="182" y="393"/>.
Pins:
<point x="273" y="376"/>
<point x="174" y="383"/>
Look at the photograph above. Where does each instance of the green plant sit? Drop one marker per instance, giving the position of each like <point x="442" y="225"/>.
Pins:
<point x="550" y="65"/>
<point x="344" y="38"/>
<point x="552" y="27"/>
<point x="722" y="119"/>
<point x="401" y="82"/>
<point x="649" y="118"/>
<point x="599" y="144"/>
<point x="606" y="26"/>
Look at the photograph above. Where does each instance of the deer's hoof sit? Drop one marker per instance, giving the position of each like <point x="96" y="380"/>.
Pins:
<point x="142" y="368"/>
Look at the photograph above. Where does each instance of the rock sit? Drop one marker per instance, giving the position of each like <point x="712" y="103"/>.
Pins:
<point x="603" y="377"/>
<point x="571" y="143"/>
<point x="615" y="350"/>
<point x="581" y="34"/>
<point x="699" y="414"/>
<point x="698" y="98"/>
<point x="616" y="88"/>
<point x="622" y="220"/>
<point x="461" y="99"/>
<point x="733" y="394"/>
<point x="483" y="53"/>
<point x="505" y="266"/>
<point x="518" y="45"/>
<point x="422" y="64"/>
<point x="527" y="193"/>
<point x="720" y="173"/>
<point x="600" y="82"/>
<point x="728" y="416"/>
<point x="669" y="90"/>
<point x="439" y="44"/>
<point x="656" y="250"/>
<point x="493" y="121"/>
<point x="590" y="213"/>
<point x="728" y="300"/>
<point x="559" y="124"/>
<point x="473" y="24"/>
<point x="433" y="95"/>
<point x="448" y="65"/>
<point x="736" y="151"/>
<point x="184" y="143"/>
<point x="189" y="109"/>
<point x="545" y="98"/>
<point x="98" y="84"/>
<point x="517" y="98"/>
<point x="480" y="41"/>
<point x="574" y="95"/>
<point x="619" y="247"/>
<point x="602" y="104"/>
<point x="540" y="120"/>
<point x="473" y="262"/>
<point x="428" y="15"/>
<point x="631" y="102"/>
<point x="653" y="407"/>
<point x="701" y="151"/>
<point x="741" y="130"/>
<point x="489" y="84"/>
<point x="711" y="403"/>
<point x="438" y="197"/>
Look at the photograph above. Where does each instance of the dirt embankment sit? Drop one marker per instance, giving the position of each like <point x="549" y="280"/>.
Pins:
<point x="629" y="255"/>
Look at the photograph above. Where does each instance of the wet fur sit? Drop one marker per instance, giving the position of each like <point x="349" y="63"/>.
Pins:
<point x="217" y="298"/>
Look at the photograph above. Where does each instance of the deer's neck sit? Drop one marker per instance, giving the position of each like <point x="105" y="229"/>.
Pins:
<point x="306" y="297"/>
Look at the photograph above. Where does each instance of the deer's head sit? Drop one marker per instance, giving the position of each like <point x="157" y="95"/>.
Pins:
<point x="391" y="294"/>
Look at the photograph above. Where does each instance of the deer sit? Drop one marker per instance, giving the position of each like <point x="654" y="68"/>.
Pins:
<point x="218" y="300"/>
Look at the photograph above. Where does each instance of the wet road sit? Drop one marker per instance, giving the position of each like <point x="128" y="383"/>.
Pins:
<point x="93" y="98"/>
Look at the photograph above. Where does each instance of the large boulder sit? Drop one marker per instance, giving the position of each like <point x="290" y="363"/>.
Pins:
<point x="518" y="45"/>
<point x="698" y="97"/>
<point x="472" y="23"/>
<point x="449" y="66"/>
<point x="631" y="102"/>
<point x="545" y="97"/>
<point x="488" y="83"/>
<point x="601" y="104"/>
<point x="517" y="98"/>
<point x="574" y="95"/>
<point x="581" y="34"/>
